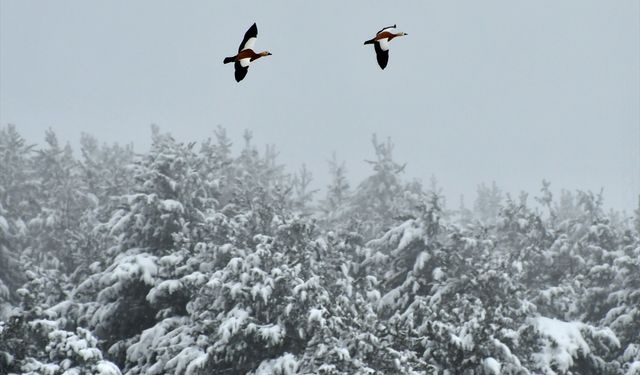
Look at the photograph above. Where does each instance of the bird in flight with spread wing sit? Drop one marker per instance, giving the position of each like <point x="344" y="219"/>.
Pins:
<point x="381" y="43"/>
<point x="246" y="54"/>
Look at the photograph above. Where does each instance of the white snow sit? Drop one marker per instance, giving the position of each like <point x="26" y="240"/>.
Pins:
<point x="89" y="354"/>
<point x="284" y="365"/>
<point x="195" y="278"/>
<point x="465" y="342"/>
<point x="235" y="264"/>
<point x="409" y="235"/>
<point x="236" y="290"/>
<point x="4" y="225"/>
<point x="94" y="267"/>
<point x="119" y="221"/>
<point x="107" y="368"/>
<point x="272" y="333"/>
<point x="50" y="221"/>
<point x="522" y="223"/>
<point x="491" y="366"/>
<point x="315" y="315"/>
<point x="421" y="260"/>
<point x="437" y="274"/>
<point x="4" y="291"/>
<point x="138" y="266"/>
<point x="181" y="362"/>
<point x="302" y="288"/>
<point x="261" y="290"/>
<point x="49" y="369"/>
<point x="66" y="363"/>
<point x="171" y="205"/>
<point x="164" y="289"/>
<point x="196" y="365"/>
<point x="402" y="235"/>
<point x="343" y="353"/>
<point x="634" y="368"/>
<point x="235" y="319"/>
<point x="322" y="244"/>
<point x="44" y="324"/>
<point x="170" y="260"/>
<point x="564" y="341"/>
<point x="373" y="295"/>
<point x="506" y="352"/>
<point x="517" y="265"/>
<point x="22" y="227"/>
<point x="287" y="309"/>
<point x="147" y="267"/>
<point x="390" y="298"/>
<point x="632" y="352"/>
<point x="152" y="338"/>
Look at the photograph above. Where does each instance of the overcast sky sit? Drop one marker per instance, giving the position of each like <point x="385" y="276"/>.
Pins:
<point x="511" y="91"/>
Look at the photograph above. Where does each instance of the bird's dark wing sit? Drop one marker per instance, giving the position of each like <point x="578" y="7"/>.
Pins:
<point x="241" y="71"/>
<point x="249" y="38"/>
<point x="385" y="28"/>
<point x="381" y="55"/>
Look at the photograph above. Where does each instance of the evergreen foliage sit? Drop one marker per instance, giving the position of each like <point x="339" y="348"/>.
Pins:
<point x="188" y="259"/>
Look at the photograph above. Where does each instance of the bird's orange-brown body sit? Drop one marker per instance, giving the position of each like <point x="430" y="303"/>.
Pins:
<point x="250" y="54"/>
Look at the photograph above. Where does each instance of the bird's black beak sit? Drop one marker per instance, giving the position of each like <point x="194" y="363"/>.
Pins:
<point x="269" y="54"/>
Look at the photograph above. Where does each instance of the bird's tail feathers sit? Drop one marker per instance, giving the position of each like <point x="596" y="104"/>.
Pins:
<point x="370" y="41"/>
<point x="228" y="60"/>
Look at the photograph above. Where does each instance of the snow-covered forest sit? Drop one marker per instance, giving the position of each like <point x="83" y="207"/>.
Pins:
<point x="195" y="259"/>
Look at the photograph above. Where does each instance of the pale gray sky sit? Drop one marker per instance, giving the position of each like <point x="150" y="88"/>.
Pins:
<point x="511" y="91"/>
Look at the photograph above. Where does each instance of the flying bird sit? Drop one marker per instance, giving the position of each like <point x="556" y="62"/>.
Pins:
<point x="246" y="54"/>
<point x="381" y="43"/>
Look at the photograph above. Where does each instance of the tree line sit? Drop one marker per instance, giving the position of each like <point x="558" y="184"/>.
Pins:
<point x="190" y="259"/>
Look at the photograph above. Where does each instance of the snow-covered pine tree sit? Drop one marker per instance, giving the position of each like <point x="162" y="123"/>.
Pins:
<point x="446" y="291"/>
<point x="464" y="215"/>
<point x="303" y="194"/>
<point x="217" y="168"/>
<point x="11" y="275"/>
<point x="383" y="198"/>
<point x="106" y="170"/>
<point x="62" y="202"/>
<point x="18" y="204"/>
<point x="338" y="192"/>
<point x="488" y="203"/>
<point x="43" y="346"/>
<point x="18" y="187"/>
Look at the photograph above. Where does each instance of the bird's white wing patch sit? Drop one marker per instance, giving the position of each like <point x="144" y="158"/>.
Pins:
<point x="245" y="62"/>
<point x="249" y="44"/>
<point x="384" y="44"/>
